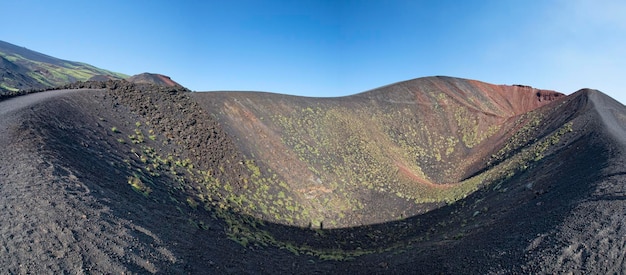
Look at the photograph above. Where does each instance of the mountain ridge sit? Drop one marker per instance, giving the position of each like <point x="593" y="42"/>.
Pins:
<point x="34" y="70"/>
<point x="500" y="94"/>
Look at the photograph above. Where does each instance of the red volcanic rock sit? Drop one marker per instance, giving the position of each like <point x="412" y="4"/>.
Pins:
<point x="490" y="99"/>
<point x="150" y="78"/>
<point x="521" y="99"/>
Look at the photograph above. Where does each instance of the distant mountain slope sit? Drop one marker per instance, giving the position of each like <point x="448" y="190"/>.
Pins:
<point x="156" y="79"/>
<point x="21" y="69"/>
<point x="15" y="77"/>
<point x="102" y="77"/>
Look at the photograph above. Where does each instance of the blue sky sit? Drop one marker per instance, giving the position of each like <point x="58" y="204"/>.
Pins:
<point x="334" y="48"/>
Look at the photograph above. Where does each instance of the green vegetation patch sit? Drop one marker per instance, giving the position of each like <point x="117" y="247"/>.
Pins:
<point x="138" y="185"/>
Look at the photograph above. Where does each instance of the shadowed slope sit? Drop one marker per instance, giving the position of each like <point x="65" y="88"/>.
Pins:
<point x="591" y="233"/>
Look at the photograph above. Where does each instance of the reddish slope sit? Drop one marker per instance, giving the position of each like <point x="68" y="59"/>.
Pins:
<point x="398" y="145"/>
<point x="499" y="100"/>
<point x="150" y="78"/>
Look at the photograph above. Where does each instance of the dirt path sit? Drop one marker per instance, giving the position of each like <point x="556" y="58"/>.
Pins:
<point x="16" y="103"/>
<point x="10" y="106"/>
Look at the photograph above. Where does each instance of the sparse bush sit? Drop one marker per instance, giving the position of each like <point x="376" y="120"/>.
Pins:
<point x="137" y="185"/>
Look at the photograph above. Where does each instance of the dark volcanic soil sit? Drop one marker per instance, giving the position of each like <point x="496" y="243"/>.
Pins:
<point x="146" y="179"/>
<point x="68" y="207"/>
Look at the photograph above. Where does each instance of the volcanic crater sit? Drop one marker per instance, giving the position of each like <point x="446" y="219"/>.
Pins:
<point x="431" y="175"/>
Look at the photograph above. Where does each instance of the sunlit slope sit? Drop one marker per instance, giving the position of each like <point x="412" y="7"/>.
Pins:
<point x="23" y="69"/>
<point x="385" y="154"/>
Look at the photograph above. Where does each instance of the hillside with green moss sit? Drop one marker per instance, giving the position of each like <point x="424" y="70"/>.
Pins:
<point x="382" y="155"/>
<point x="24" y="69"/>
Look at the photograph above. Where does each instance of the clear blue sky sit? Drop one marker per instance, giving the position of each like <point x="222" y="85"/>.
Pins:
<point x="333" y="48"/>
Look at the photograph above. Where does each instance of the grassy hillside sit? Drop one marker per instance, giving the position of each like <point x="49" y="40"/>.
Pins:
<point x="22" y="69"/>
